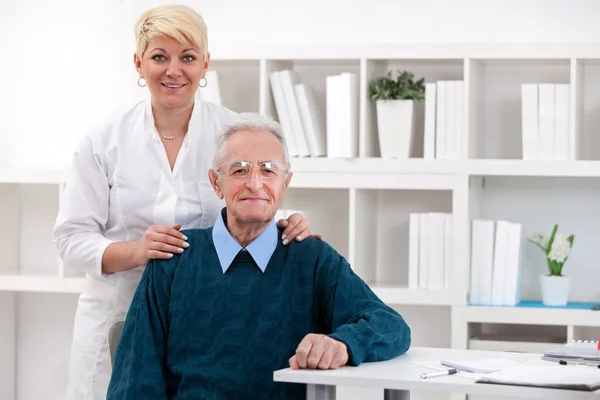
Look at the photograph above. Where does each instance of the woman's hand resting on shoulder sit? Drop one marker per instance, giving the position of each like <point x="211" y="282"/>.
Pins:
<point x="159" y="242"/>
<point x="296" y="227"/>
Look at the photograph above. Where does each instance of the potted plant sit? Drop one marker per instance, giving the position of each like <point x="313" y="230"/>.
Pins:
<point x="557" y="248"/>
<point x="395" y="99"/>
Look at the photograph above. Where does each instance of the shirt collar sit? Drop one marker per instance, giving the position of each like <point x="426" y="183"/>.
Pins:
<point x="261" y="249"/>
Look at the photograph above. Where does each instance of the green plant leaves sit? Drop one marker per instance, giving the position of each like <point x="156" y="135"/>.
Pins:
<point x="403" y="87"/>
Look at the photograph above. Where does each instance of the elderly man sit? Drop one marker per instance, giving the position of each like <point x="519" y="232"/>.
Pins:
<point x="217" y="320"/>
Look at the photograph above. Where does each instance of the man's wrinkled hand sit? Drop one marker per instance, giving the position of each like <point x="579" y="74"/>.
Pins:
<point x="319" y="352"/>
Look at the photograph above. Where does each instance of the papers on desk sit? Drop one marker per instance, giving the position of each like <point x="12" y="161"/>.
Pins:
<point x="575" y="377"/>
<point x="484" y="366"/>
<point x="574" y="352"/>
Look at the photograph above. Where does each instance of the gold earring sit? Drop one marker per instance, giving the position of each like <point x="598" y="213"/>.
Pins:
<point x="139" y="84"/>
<point x="205" y="82"/>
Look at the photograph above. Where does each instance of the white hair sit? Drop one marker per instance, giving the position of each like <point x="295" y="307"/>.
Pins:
<point x="249" y="122"/>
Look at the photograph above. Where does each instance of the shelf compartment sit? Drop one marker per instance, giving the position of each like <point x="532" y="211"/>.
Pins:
<point x="586" y="73"/>
<point x="380" y="230"/>
<point x="517" y="338"/>
<point x="494" y="107"/>
<point x="29" y="213"/>
<point x="498" y="344"/>
<point x="431" y="69"/>
<point x="238" y="84"/>
<point x="328" y="218"/>
<point x="538" y="203"/>
<point x="312" y="73"/>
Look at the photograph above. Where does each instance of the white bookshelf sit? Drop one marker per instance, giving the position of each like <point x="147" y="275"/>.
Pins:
<point x="362" y="205"/>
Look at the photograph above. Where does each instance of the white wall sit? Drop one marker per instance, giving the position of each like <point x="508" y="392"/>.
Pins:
<point x="67" y="63"/>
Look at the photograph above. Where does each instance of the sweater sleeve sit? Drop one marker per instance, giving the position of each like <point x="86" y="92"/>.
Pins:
<point x="371" y="330"/>
<point x="139" y="370"/>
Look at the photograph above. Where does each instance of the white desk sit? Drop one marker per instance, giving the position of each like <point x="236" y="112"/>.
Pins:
<point x="395" y="379"/>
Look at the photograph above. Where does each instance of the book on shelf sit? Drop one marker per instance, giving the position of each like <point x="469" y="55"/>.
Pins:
<point x="342" y="115"/>
<point x="312" y="120"/>
<point x="545" y="121"/>
<point x="288" y="80"/>
<point x="495" y="262"/>
<point x="282" y="113"/>
<point x="429" y="260"/>
<point x="444" y="136"/>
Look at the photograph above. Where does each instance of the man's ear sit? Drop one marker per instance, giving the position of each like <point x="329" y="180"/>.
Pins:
<point x="213" y="176"/>
<point x="287" y="180"/>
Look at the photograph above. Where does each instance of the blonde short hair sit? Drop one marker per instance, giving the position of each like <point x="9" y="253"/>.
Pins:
<point x="178" y="22"/>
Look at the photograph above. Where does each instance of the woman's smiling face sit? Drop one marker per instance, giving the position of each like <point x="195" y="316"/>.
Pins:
<point x="172" y="71"/>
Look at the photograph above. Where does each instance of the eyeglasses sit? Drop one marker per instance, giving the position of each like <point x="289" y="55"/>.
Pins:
<point x="242" y="169"/>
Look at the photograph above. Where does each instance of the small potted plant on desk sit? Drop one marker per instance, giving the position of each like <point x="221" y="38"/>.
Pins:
<point x="554" y="286"/>
<point x="395" y="99"/>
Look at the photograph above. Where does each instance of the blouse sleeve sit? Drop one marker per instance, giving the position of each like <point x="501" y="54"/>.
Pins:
<point x="84" y="209"/>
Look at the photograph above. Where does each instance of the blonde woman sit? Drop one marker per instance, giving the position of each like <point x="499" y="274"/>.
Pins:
<point x="136" y="181"/>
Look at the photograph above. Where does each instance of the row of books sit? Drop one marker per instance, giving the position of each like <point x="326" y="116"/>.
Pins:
<point x="495" y="262"/>
<point x="308" y="132"/>
<point x="545" y="121"/>
<point x="444" y="133"/>
<point x="544" y="117"/>
<point x="430" y="251"/>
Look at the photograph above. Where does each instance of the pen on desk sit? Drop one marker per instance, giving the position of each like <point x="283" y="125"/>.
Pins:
<point x="589" y="364"/>
<point x="440" y="373"/>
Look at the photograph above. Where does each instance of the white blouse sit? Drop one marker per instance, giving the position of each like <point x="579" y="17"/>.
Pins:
<point x="121" y="183"/>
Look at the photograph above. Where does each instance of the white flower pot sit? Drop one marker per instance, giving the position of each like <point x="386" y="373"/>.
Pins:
<point x="395" y="123"/>
<point x="555" y="290"/>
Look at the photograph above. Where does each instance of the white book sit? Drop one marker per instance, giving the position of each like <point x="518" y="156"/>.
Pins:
<point x="512" y="289"/>
<point x="482" y="251"/>
<point x="282" y="113"/>
<point x="333" y="112"/>
<point x="430" y="119"/>
<point x="547" y="136"/>
<point x="451" y="135"/>
<point x="487" y="262"/>
<point x="436" y="251"/>
<point x="440" y="123"/>
<point x="211" y="92"/>
<point x="288" y="80"/>
<point x="561" y="121"/>
<point x="424" y="251"/>
<point x="312" y="121"/>
<point x="448" y="243"/>
<point x="529" y="121"/>
<point x="349" y="114"/>
<point x="461" y="137"/>
<point x="500" y="256"/>
<point x="413" y="251"/>
<point x="474" y="278"/>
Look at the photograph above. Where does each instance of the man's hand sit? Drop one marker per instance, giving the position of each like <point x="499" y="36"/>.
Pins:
<point x="319" y="351"/>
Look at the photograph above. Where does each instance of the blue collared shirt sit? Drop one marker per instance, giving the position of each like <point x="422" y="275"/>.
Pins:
<point x="261" y="249"/>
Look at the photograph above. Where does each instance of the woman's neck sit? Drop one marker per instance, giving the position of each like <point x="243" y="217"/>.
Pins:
<point x="172" y="121"/>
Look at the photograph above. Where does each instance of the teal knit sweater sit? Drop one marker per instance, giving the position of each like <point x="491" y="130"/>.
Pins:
<point x="194" y="332"/>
